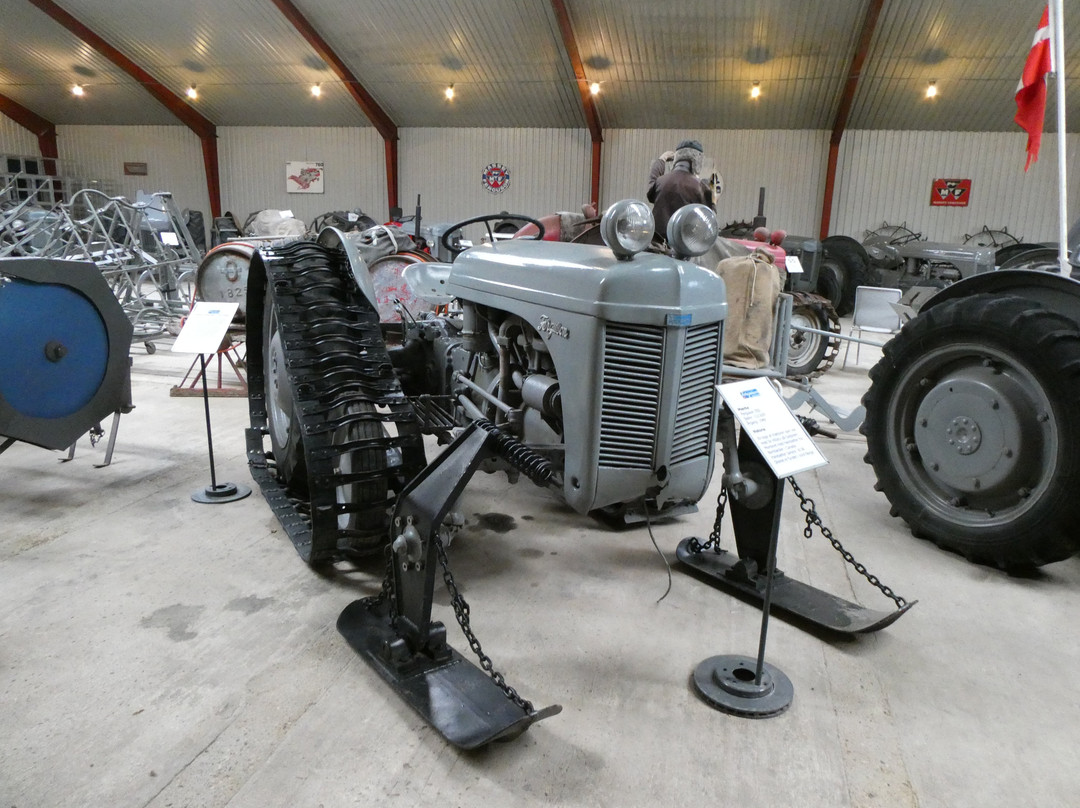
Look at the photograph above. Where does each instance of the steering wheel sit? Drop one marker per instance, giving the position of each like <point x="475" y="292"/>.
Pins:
<point x="444" y="239"/>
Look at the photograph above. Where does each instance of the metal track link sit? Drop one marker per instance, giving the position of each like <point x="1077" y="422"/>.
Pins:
<point x="342" y="382"/>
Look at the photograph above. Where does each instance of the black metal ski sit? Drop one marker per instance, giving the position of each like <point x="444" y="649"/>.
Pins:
<point x="470" y="706"/>
<point x="789" y="596"/>
<point x="745" y="573"/>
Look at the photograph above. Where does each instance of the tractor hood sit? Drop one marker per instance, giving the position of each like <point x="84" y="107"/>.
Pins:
<point x="588" y="279"/>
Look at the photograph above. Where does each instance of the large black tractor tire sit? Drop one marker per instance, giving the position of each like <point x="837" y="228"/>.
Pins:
<point x="972" y="431"/>
<point x="1010" y="251"/>
<point x="1036" y="257"/>
<point x="845" y="266"/>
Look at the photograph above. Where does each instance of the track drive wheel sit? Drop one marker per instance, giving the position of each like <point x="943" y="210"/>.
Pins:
<point x="812" y="354"/>
<point x="971" y="429"/>
<point x="286" y="441"/>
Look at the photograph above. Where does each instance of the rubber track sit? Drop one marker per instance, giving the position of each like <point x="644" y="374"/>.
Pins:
<point x="336" y="359"/>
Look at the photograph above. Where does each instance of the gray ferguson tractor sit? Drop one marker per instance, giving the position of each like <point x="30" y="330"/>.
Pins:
<point x="591" y="369"/>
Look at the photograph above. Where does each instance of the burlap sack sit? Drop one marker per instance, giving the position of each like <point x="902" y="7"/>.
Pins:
<point x="753" y="289"/>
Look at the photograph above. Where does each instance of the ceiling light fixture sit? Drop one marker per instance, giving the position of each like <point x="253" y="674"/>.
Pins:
<point x="77" y="90"/>
<point x="931" y="89"/>
<point x="594" y="88"/>
<point x="316" y="90"/>
<point x="449" y="93"/>
<point x="192" y="93"/>
<point x="755" y="90"/>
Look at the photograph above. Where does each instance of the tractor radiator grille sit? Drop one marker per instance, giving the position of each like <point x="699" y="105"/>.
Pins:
<point x="630" y="401"/>
<point x="697" y="392"/>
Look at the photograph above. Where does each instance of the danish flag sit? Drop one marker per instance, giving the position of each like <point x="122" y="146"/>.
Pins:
<point x="1031" y="91"/>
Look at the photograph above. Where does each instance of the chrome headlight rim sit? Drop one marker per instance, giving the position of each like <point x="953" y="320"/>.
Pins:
<point x="692" y="230"/>
<point x="627" y="227"/>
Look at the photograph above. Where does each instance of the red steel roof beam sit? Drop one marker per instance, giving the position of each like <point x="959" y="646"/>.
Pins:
<point x="370" y="107"/>
<point x="202" y="127"/>
<point x="28" y="119"/>
<point x="873" y="11"/>
<point x="587" y="101"/>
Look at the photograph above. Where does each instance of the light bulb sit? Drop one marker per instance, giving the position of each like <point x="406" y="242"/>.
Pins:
<point x="931" y="90"/>
<point x="755" y="90"/>
<point x="594" y="88"/>
<point x="449" y="93"/>
<point x="77" y="90"/>
<point x="316" y="90"/>
<point x="192" y="93"/>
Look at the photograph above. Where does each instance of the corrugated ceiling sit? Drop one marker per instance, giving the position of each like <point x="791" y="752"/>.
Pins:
<point x="686" y="64"/>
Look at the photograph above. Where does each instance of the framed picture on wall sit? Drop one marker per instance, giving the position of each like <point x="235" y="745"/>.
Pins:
<point x="950" y="193"/>
<point x="304" y="177"/>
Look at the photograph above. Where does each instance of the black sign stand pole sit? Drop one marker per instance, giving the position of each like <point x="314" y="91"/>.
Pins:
<point x="741" y="685"/>
<point x="215" y="494"/>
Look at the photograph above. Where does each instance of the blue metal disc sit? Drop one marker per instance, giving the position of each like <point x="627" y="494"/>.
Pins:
<point x="55" y="349"/>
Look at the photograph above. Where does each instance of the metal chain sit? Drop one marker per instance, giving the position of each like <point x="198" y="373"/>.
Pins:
<point x="385" y="594"/>
<point x="461" y="611"/>
<point x="812" y="518"/>
<point x="714" y="538"/>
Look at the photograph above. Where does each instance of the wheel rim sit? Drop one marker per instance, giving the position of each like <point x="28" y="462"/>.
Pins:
<point x="974" y="434"/>
<point x="278" y="389"/>
<point x="802" y="346"/>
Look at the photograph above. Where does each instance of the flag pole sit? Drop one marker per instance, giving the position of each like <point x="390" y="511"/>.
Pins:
<point x="1057" y="59"/>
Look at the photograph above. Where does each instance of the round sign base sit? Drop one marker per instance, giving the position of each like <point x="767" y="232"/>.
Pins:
<point x="727" y="683"/>
<point x="220" y="493"/>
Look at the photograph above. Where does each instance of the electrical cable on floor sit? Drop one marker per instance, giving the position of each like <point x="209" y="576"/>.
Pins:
<point x="648" y="524"/>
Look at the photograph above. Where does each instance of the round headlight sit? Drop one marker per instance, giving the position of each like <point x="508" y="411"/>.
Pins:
<point x="692" y="230"/>
<point x="627" y="227"/>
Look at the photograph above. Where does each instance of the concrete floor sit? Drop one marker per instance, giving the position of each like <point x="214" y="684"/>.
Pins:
<point x="158" y="652"/>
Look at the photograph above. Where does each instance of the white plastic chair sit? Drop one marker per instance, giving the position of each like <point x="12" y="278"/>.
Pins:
<point x="874" y="312"/>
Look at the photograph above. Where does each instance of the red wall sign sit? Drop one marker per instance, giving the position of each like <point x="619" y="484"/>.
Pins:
<point x="951" y="193"/>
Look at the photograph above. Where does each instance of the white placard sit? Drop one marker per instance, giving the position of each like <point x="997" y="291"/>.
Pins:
<point x="775" y="430"/>
<point x="169" y="238"/>
<point x="793" y="264"/>
<point x="205" y="328"/>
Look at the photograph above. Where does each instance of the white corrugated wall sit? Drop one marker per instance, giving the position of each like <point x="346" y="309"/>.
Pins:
<point x="789" y="164"/>
<point x="173" y="157"/>
<point x="16" y="140"/>
<point x="881" y="176"/>
<point x="549" y="171"/>
<point x="253" y="162"/>
<point x="887" y="176"/>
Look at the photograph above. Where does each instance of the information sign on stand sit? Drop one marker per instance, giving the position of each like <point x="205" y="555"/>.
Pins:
<point x="735" y="683"/>
<point x="203" y="332"/>
<point x="775" y="430"/>
<point x="205" y="328"/>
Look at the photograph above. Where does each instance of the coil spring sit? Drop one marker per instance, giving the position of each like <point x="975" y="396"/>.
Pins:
<point x="533" y="465"/>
